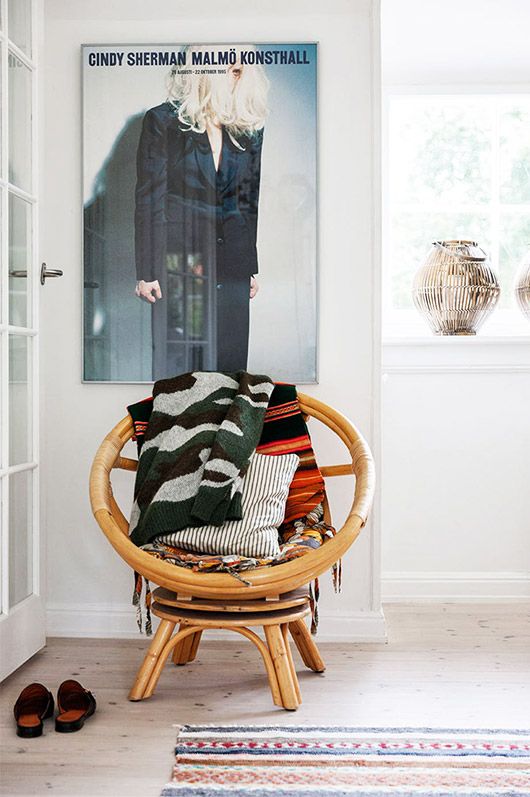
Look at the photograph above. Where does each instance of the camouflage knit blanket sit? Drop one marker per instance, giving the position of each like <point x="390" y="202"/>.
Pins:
<point x="202" y="432"/>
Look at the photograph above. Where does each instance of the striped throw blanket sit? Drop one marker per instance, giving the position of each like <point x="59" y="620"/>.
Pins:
<point x="285" y="432"/>
<point x="202" y="431"/>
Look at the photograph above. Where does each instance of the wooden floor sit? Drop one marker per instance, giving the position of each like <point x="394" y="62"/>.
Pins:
<point x="444" y="666"/>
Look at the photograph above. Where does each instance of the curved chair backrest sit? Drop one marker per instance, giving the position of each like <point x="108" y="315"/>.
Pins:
<point x="264" y="581"/>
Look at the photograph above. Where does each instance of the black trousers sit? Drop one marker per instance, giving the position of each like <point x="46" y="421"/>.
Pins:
<point x="233" y="299"/>
<point x="225" y="338"/>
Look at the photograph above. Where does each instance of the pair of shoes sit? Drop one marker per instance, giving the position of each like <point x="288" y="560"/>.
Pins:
<point x="35" y="704"/>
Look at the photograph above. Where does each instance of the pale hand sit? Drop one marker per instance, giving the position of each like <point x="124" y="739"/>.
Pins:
<point x="148" y="291"/>
<point x="254" y="287"/>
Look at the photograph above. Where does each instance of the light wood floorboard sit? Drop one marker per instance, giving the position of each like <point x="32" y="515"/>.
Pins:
<point x="444" y="666"/>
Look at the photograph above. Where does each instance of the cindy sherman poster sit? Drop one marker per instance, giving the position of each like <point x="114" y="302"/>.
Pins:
<point x="200" y="214"/>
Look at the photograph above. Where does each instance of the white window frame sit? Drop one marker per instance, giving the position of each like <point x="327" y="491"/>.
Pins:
<point x="404" y="327"/>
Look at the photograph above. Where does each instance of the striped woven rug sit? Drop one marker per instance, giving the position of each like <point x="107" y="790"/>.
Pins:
<point x="261" y="761"/>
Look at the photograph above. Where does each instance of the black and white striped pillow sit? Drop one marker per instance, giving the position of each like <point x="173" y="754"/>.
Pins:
<point x="265" y="491"/>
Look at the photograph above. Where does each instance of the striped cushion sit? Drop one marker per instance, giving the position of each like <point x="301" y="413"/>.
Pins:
<point x="265" y="491"/>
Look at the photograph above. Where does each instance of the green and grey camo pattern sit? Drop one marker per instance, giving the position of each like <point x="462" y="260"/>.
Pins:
<point x="202" y="432"/>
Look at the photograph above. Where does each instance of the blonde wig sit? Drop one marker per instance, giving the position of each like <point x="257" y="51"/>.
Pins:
<point x="241" y="106"/>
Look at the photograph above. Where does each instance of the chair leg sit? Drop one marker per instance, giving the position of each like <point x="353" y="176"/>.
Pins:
<point x="285" y="629"/>
<point x="286" y="679"/>
<point x="160" y="639"/>
<point x="186" y="650"/>
<point x="184" y="632"/>
<point x="306" y="646"/>
<point x="196" y="640"/>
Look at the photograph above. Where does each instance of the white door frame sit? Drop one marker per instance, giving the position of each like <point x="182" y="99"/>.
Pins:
<point x="22" y="627"/>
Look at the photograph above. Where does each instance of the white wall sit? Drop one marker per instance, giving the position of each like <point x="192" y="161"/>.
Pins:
<point x="88" y="586"/>
<point x="427" y="42"/>
<point x="456" y="421"/>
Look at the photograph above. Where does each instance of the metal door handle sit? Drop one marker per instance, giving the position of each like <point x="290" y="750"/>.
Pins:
<point x="49" y="272"/>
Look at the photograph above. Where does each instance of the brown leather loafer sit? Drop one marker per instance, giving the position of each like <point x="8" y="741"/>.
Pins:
<point x="75" y="704"/>
<point x="34" y="704"/>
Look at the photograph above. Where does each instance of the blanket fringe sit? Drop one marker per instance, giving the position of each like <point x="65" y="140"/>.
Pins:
<point x="336" y="575"/>
<point x="139" y="582"/>
<point x="314" y="595"/>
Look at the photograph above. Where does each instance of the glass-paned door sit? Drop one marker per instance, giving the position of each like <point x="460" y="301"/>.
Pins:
<point x="22" y="626"/>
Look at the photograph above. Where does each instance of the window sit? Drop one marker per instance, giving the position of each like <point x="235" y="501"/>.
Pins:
<point x="456" y="167"/>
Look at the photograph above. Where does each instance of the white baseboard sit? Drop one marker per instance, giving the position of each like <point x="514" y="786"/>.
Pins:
<point x="118" y="621"/>
<point x="91" y="620"/>
<point x="354" y="627"/>
<point x="455" y="587"/>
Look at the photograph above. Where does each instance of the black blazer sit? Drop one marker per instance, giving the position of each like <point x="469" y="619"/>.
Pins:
<point x="183" y="205"/>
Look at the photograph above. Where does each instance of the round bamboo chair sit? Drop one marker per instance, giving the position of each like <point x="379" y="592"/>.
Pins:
<point x="275" y="598"/>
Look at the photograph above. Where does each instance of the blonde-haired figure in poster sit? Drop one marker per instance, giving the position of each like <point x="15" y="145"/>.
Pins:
<point x="196" y="213"/>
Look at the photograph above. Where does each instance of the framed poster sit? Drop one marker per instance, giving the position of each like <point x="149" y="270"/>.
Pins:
<point x="200" y="210"/>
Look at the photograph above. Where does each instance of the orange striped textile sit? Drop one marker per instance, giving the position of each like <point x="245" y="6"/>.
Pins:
<point x="285" y="432"/>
